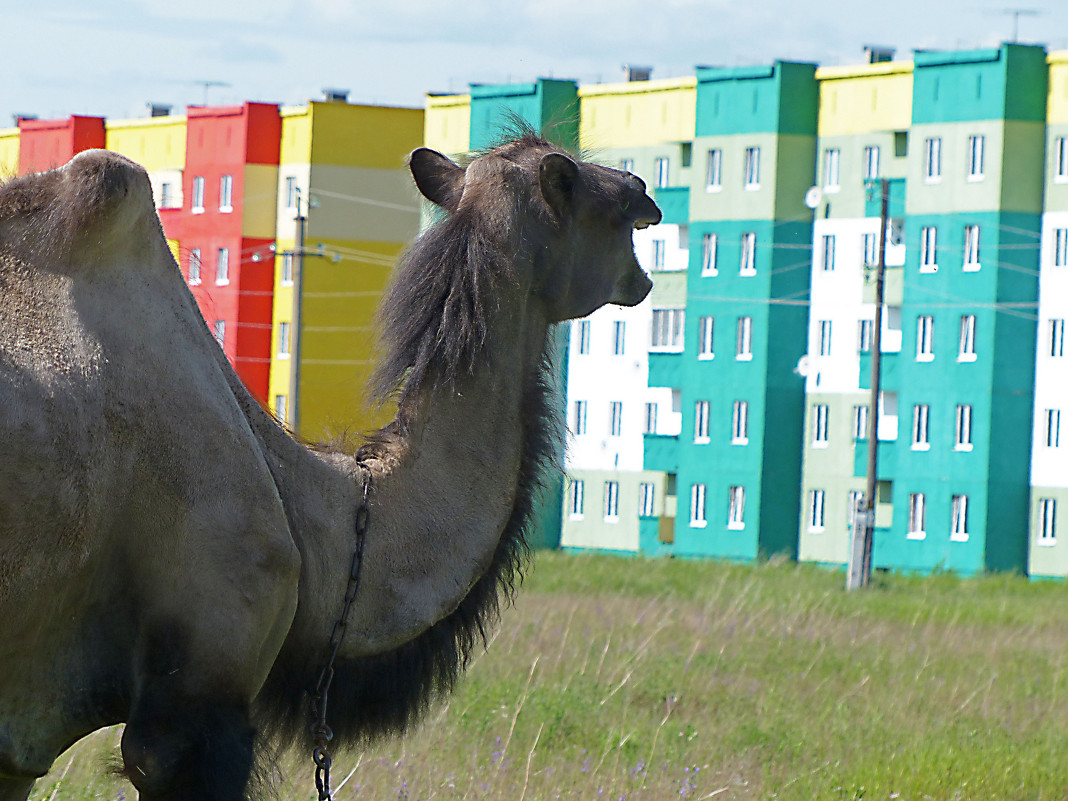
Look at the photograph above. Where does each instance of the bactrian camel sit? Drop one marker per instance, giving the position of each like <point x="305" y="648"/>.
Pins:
<point x="173" y="559"/>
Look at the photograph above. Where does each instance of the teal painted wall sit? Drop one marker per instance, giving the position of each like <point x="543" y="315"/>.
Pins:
<point x="1004" y="83"/>
<point x="549" y="106"/>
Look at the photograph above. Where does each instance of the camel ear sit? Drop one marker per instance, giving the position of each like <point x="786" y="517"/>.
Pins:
<point x="439" y="179"/>
<point x="558" y="175"/>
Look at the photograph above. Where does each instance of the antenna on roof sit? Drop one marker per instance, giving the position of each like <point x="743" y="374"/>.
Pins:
<point x="1016" y="14"/>
<point x="208" y="85"/>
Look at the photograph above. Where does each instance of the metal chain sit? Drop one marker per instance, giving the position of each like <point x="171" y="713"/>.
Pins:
<point x="320" y="731"/>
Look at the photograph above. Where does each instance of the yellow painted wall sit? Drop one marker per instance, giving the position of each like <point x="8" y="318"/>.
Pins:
<point x="869" y="97"/>
<point x="259" y="215"/>
<point x="156" y="143"/>
<point x="1057" y="100"/>
<point x="351" y="160"/>
<point x="9" y="152"/>
<point x="364" y="136"/>
<point x="637" y="113"/>
<point x="447" y="127"/>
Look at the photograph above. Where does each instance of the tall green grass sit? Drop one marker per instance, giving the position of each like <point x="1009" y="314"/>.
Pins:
<point x="664" y="679"/>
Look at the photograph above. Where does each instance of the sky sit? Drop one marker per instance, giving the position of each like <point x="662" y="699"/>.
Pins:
<point x="113" y="57"/>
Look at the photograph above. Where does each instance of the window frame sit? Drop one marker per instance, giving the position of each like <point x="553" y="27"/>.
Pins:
<point x="701" y="414"/>
<point x="751" y="168"/>
<point x="932" y="160"/>
<point x="714" y="170"/>
<point x="736" y="507"/>
<point x="710" y="253"/>
<point x="226" y="194"/>
<point x="698" y="505"/>
<point x="975" y="157"/>
<point x="917" y="516"/>
<point x="962" y="433"/>
<point x="740" y="423"/>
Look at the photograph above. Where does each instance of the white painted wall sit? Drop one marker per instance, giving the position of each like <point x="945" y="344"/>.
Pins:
<point x="1049" y="466"/>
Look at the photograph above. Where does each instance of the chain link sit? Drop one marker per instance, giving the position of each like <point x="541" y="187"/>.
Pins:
<point x="320" y="731"/>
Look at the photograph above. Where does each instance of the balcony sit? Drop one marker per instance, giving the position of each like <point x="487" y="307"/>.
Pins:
<point x="893" y="285"/>
<point x="661" y="453"/>
<point x="674" y="203"/>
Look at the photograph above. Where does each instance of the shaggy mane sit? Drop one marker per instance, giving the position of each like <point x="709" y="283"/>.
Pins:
<point x="435" y="321"/>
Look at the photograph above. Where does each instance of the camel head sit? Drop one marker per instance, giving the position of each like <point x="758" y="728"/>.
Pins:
<point x="573" y="219"/>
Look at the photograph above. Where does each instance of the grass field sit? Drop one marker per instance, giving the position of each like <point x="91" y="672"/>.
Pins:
<point x="636" y="679"/>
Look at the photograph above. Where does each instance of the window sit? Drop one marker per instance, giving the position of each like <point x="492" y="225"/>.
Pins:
<point x="667" y="329"/>
<point x="921" y="412"/>
<point x="747" y="266"/>
<point x="871" y="163"/>
<point x="714" y="173"/>
<point x="222" y="266"/>
<point x="708" y="254"/>
<point x="578" y="417"/>
<point x="627" y="165"/>
<point x="576" y="501"/>
<point x="226" y="193"/>
<point x="871" y="256"/>
<point x="219" y="331"/>
<point x="611" y="501"/>
<point x="815" y="510"/>
<point x="706" y="327"/>
<point x="962" y="437"/>
<point x="928" y="249"/>
<point x="166" y="195"/>
<point x="740" y="423"/>
<point x="1060" y="255"/>
<point x="860" y="422"/>
<point x="1053" y="428"/>
<point x="662" y="172"/>
<point x="194" y="266"/>
<point x="700" y="422"/>
<point x="825" y="337"/>
<point x="971" y="247"/>
<point x="281" y="403"/>
<point x="924" y="338"/>
<point x="917" y="516"/>
<point x="198" y="195"/>
<point x="744" y="347"/>
<point x="752" y="168"/>
<point x="828" y="253"/>
<point x="291" y="192"/>
<point x="287" y="269"/>
<point x="615" y="421"/>
<point x="1047" y="521"/>
<point x="283" y="340"/>
<point x="959" y="519"/>
<point x="698" y="518"/>
<point x="1056" y="338"/>
<point x="659" y="249"/>
<point x="1060" y="160"/>
<point x="820" y="414"/>
<point x="583" y="336"/>
<point x="966" y="347"/>
<point x="975" y="157"/>
<point x="649" y="426"/>
<point x="864" y="336"/>
<point x="830" y="169"/>
<point x="736" y="508"/>
<point x="619" y="329"/>
<point x="646" y="499"/>
<point x="932" y="159"/>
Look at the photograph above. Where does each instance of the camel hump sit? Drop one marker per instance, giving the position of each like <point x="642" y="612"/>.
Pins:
<point x="98" y="197"/>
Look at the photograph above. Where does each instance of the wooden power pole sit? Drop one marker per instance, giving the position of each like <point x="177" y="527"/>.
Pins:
<point x="864" y="523"/>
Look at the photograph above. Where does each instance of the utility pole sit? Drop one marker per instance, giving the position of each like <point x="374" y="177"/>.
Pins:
<point x="864" y="525"/>
<point x="298" y="288"/>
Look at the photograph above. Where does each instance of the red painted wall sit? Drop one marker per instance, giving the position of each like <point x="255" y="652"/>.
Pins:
<point x="220" y="141"/>
<point x="46" y="144"/>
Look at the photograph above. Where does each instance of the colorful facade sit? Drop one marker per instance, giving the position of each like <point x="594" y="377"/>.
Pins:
<point x="345" y="207"/>
<point x="1048" y="554"/>
<point x="644" y="127"/>
<point x="958" y="355"/>
<point x="735" y="464"/>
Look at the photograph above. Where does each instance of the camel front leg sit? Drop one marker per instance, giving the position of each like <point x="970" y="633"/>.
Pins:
<point x="15" y="789"/>
<point x="178" y="748"/>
